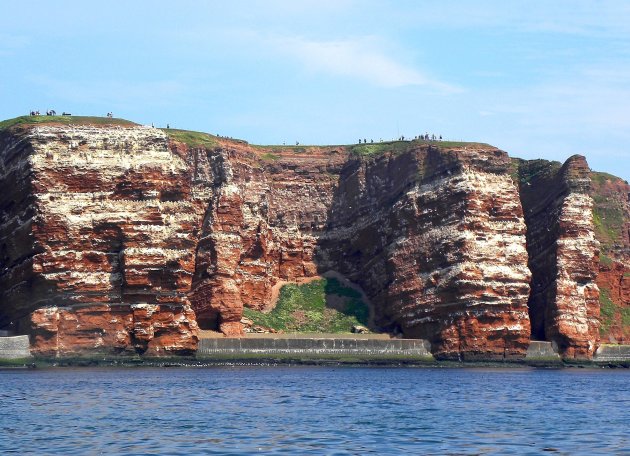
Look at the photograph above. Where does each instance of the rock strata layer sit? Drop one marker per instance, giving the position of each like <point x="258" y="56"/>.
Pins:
<point x="563" y="254"/>
<point x="436" y="238"/>
<point x="98" y="244"/>
<point x="125" y="239"/>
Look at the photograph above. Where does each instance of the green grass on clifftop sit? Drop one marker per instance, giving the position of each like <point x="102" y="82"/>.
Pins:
<point x="283" y="149"/>
<point x="324" y="306"/>
<point x="191" y="138"/>
<point x="380" y="148"/>
<point x="66" y="120"/>
<point x="458" y="144"/>
<point x="600" y="178"/>
<point x="397" y="147"/>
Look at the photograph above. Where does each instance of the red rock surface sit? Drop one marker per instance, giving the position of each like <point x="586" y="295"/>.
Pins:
<point x="563" y="252"/>
<point x="436" y="239"/>
<point x="260" y="228"/>
<point x="119" y="239"/>
<point x="105" y="229"/>
<point x="150" y="329"/>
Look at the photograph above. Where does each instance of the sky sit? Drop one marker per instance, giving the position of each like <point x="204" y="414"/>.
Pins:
<point x="538" y="79"/>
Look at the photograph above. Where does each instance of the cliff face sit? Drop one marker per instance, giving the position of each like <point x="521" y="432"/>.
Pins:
<point x="100" y="239"/>
<point x="419" y="231"/>
<point x="563" y="254"/>
<point x="121" y="238"/>
<point x="260" y="228"/>
<point x="436" y="239"/>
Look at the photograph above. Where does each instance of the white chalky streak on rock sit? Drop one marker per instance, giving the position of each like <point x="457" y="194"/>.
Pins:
<point x="483" y="258"/>
<point x="76" y="169"/>
<point x="572" y="300"/>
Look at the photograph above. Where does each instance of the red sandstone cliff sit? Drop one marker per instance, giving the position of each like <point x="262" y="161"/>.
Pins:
<point x="120" y="239"/>
<point x="563" y="254"/>
<point x="98" y="239"/>
<point x="436" y="239"/>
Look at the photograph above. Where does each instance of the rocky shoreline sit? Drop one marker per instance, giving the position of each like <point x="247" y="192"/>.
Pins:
<point x="265" y="360"/>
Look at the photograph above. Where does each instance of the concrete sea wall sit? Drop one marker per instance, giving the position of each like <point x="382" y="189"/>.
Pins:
<point x="284" y="346"/>
<point x="541" y="350"/>
<point x="612" y="353"/>
<point x="14" y="347"/>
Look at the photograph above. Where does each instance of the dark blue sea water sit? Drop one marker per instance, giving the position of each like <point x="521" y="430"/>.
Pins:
<point x="314" y="410"/>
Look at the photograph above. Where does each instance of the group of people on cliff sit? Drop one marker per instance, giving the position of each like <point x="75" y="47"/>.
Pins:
<point x="50" y="112"/>
<point x="425" y="137"/>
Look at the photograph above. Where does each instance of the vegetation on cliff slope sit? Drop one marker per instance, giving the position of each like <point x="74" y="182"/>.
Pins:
<point x="612" y="314"/>
<point x="524" y="172"/>
<point x="320" y="306"/>
<point x="608" y="212"/>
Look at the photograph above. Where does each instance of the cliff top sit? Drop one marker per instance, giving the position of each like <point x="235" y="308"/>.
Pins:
<point x="27" y="121"/>
<point x="201" y="139"/>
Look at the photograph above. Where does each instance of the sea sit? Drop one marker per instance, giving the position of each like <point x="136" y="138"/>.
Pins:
<point x="299" y="410"/>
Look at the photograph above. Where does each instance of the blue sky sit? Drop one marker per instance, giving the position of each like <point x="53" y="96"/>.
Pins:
<point x="538" y="79"/>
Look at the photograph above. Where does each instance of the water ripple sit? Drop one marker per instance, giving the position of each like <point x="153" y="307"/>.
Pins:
<point x="305" y="410"/>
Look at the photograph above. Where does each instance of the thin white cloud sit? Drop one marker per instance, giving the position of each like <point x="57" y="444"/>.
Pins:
<point x="359" y="58"/>
<point x="119" y="93"/>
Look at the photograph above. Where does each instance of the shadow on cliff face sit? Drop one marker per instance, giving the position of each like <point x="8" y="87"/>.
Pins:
<point x="422" y="233"/>
<point x="210" y="168"/>
<point x="22" y="289"/>
<point x="564" y="301"/>
<point x="360" y="228"/>
<point x="373" y="229"/>
<point x="113" y="239"/>
<point x="541" y="197"/>
<point x="434" y="236"/>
